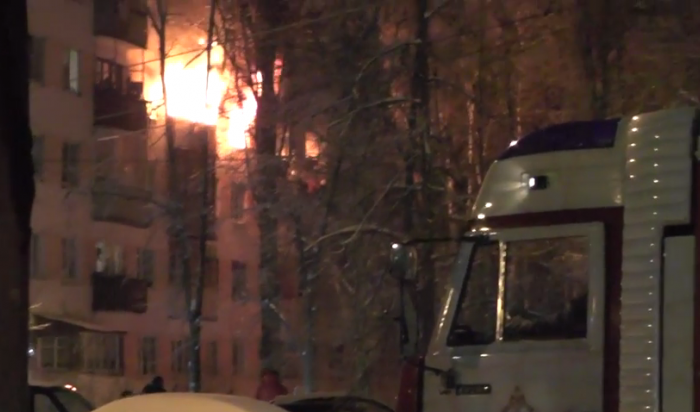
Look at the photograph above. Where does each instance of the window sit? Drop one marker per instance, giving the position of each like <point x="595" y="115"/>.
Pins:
<point x="238" y="357"/>
<point x="70" y="173"/>
<point x="546" y="289"/>
<point x="38" y="155"/>
<point x="56" y="352"/>
<point x="145" y="265"/>
<point x="110" y="76"/>
<point x="71" y="71"/>
<point x="211" y="272"/>
<point x="213" y="358"/>
<point x="37" y="53"/>
<point x="239" y="279"/>
<point x="179" y="356"/>
<point x="238" y="192"/>
<point x="174" y="264"/>
<point x="70" y="258"/>
<point x="103" y="353"/>
<point x="475" y="323"/>
<point x="36" y="269"/>
<point x="148" y="362"/>
<point x="110" y="259"/>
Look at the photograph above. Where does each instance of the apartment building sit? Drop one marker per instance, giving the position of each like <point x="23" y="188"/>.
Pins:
<point x="108" y="309"/>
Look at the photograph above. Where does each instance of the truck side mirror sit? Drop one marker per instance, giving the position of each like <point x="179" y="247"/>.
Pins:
<point x="403" y="261"/>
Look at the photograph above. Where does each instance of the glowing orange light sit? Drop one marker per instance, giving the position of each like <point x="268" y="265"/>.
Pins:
<point x="191" y="98"/>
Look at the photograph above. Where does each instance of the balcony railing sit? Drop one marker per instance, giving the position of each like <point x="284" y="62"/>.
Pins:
<point x="113" y="293"/>
<point x="121" y="110"/>
<point x="125" y="20"/>
<point x="118" y="203"/>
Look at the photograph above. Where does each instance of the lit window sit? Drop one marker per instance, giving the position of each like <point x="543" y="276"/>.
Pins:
<point x="71" y="71"/>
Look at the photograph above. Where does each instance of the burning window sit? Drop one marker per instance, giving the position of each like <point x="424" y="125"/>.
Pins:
<point x="546" y="289"/>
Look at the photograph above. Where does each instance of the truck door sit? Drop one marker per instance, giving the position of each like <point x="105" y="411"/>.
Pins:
<point x="677" y="323"/>
<point x="523" y="330"/>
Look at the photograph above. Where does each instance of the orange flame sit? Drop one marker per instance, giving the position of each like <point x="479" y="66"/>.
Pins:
<point x="189" y="97"/>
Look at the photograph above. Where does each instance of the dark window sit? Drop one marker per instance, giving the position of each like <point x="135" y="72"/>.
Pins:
<point x="238" y="356"/>
<point x="36" y="269"/>
<point x="546" y="289"/>
<point x="70" y="173"/>
<point x="174" y="265"/>
<point x="475" y="320"/>
<point x="239" y="280"/>
<point x="56" y="352"/>
<point x="145" y="267"/>
<point x="238" y="193"/>
<point x="148" y="361"/>
<point x="38" y="155"/>
<point x="564" y="137"/>
<point x="70" y="258"/>
<point x="110" y="76"/>
<point x="179" y="355"/>
<point x="37" y="53"/>
<point x="213" y="358"/>
<point x="103" y="353"/>
<point x="211" y="274"/>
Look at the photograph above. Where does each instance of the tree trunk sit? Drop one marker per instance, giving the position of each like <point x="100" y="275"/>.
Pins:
<point x="17" y="188"/>
<point x="195" y="309"/>
<point x="267" y="171"/>
<point x="179" y="245"/>
<point x="419" y="120"/>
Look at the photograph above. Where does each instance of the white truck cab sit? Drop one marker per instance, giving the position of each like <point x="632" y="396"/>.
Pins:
<point x="575" y="291"/>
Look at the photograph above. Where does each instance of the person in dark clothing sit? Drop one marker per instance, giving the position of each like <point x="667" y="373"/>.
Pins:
<point x="270" y="386"/>
<point x="155" y="386"/>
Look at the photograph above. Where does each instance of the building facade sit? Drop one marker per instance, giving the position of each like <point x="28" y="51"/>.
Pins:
<point x="108" y="313"/>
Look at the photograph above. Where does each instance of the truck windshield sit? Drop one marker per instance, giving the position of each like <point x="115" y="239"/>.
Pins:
<point x="540" y="292"/>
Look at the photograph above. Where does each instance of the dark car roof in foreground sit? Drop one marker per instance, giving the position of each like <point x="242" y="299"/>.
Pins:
<point x="322" y="402"/>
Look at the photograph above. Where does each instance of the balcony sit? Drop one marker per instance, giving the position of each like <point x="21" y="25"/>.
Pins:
<point x="118" y="293"/>
<point x="119" y="109"/>
<point x="125" y="20"/>
<point x="117" y="203"/>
